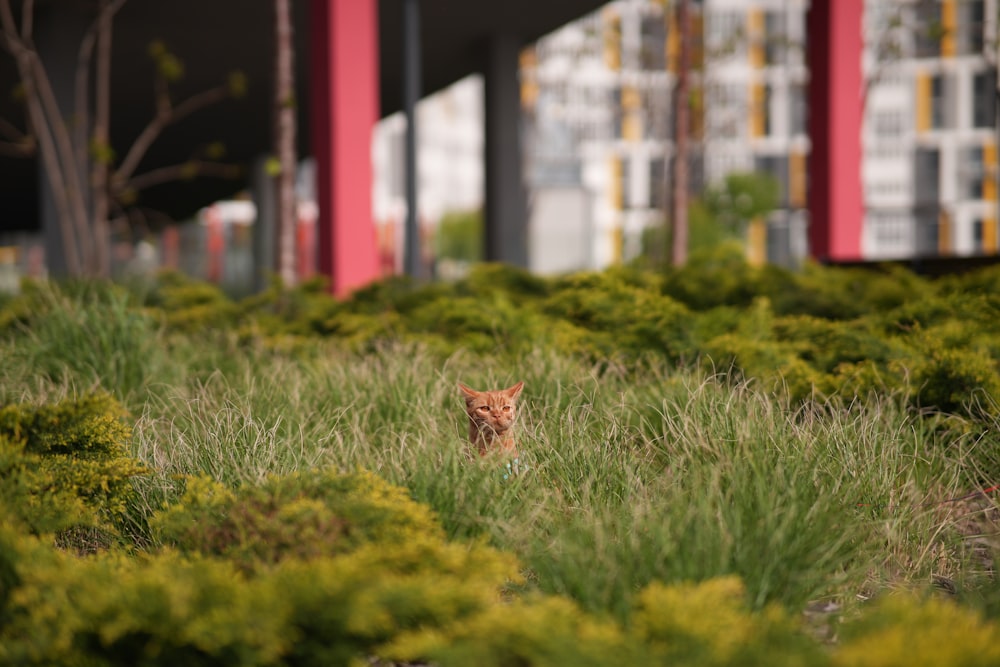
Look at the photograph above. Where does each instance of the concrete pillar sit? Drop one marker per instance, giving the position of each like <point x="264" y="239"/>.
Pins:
<point x="836" y="205"/>
<point x="506" y="199"/>
<point x="265" y="242"/>
<point x="411" y="95"/>
<point x="344" y="79"/>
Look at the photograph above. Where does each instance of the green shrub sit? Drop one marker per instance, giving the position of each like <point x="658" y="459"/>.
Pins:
<point x="488" y="323"/>
<point x="537" y="632"/>
<point x="621" y="317"/>
<point x="355" y="605"/>
<point x="108" y="610"/>
<point x="66" y="466"/>
<point x="300" y="516"/>
<point x="905" y="631"/>
<point x="720" y="276"/>
<point x="955" y="380"/>
<point x="193" y="307"/>
<point x="709" y="624"/>
<point x="460" y="236"/>
<point x="330" y="602"/>
<point x="847" y="293"/>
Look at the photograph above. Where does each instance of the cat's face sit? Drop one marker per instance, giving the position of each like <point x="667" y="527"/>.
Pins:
<point x="492" y="411"/>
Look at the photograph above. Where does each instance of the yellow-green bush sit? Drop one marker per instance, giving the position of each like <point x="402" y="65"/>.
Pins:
<point x="709" y="624"/>
<point x="333" y="602"/>
<point x="956" y="380"/>
<point x="620" y="317"/>
<point x="66" y="465"/>
<point x="301" y="515"/>
<point x="906" y="631"/>
<point x="536" y="632"/>
<point x="356" y="604"/>
<point x="114" y="610"/>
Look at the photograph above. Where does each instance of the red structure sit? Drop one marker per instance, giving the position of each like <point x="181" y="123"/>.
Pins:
<point x="344" y="80"/>
<point x="836" y="206"/>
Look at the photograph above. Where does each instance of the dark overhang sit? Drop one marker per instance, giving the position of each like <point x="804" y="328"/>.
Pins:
<point x="215" y="37"/>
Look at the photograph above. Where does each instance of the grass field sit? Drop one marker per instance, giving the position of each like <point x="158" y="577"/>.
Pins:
<point x="635" y="472"/>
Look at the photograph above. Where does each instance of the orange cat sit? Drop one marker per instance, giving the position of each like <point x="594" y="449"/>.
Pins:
<point x="491" y="416"/>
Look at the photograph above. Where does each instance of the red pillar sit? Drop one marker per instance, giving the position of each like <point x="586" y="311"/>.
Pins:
<point x="344" y="82"/>
<point x="836" y="207"/>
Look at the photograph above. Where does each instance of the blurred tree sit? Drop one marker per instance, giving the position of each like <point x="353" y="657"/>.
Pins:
<point x="741" y="197"/>
<point x="91" y="189"/>
<point x="460" y="236"/>
<point x="679" y="197"/>
<point x="284" y="139"/>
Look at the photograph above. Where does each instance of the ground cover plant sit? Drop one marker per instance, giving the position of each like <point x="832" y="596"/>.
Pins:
<point x="722" y="465"/>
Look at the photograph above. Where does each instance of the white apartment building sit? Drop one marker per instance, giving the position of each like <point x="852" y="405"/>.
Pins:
<point x="597" y="103"/>
<point x="930" y="135"/>
<point x="597" y="95"/>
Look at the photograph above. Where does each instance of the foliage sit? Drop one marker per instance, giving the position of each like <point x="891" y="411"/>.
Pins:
<point x="83" y="330"/>
<point x="460" y="236"/>
<point x="66" y="467"/>
<point x="709" y="624"/>
<point x="300" y="515"/>
<point x="330" y="607"/>
<point x="542" y="631"/>
<point x="705" y="453"/>
<point x="906" y="630"/>
<point x="741" y="197"/>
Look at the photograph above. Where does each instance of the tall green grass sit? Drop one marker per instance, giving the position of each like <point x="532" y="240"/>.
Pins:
<point x="632" y="473"/>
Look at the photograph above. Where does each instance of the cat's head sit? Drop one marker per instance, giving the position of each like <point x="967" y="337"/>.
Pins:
<point x="492" y="410"/>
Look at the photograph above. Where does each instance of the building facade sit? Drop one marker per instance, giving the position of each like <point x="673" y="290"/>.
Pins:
<point x="597" y="99"/>
<point x="930" y="134"/>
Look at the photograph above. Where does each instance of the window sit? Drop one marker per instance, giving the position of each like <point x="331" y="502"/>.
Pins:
<point x="653" y="52"/>
<point x="725" y="32"/>
<point x="940" y="89"/>
<point x="776" y="166"/>
<point x="657" y="184"/>
<point x="927" y="28"/>
<point x="888" y="124"/>
<point x="984" y="98"/>
<point x="927" y="164"/>
<point x="774" y="38"/>
<point x="928" y="230"/>
<point x="656" y="113"/>
<point x="971" y="27"/>
<point x="972" y="172"/>
<point x="799" y="109"/>
<point x="977" y="236"/>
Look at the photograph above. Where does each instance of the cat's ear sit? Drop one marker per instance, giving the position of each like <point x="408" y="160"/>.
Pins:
<point x="469" y="392"/>
<point x="512" y="392"/>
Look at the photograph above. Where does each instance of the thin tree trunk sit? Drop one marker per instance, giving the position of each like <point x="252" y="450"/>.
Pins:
<point x="99" y="192"/>
<point x="285" y="141"/>
<point x="679" y="199"/>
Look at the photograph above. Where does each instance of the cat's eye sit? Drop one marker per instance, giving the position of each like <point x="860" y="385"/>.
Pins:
<point x="506" y="408"/>
<point x="484" y="408"/>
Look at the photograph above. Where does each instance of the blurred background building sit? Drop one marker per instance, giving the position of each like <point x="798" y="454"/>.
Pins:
<point x="598" y="139"/>
<point x="598" y="129"/>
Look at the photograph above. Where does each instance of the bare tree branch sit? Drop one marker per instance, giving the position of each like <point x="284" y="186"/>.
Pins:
<point x="8" y="130"/>
<point x="179" y="172"/>
<point x="27" y="20"/>
<point x="83" y="61"/>
<point x="102" y="135"/>
<point x="23" y="57"/>
<point x="165" y="117"/>
<point x="14" y="149"/>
